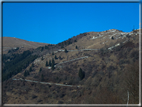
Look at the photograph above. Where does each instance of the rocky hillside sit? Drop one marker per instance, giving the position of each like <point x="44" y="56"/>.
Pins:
<point x="90" y="68"/>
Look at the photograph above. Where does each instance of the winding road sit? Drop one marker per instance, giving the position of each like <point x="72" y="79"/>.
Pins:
<point x="72" y="60"/>
<point x="84" y="50"/>
<point x="45" y="82"/>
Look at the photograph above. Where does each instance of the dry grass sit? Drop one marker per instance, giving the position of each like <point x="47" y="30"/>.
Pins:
<point x="96" y="81"/>
<point x="9" y="43"/>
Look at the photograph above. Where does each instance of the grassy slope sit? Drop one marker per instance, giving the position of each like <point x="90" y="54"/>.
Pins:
<point x="104" y="82"/>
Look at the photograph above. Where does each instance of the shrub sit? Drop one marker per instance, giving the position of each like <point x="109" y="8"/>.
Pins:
<point x="61" y="95"/>
<point x="103" y="51"/>
<point x="123" y="62"/>
<point x="34" y="96"/>
<point x="103" y="66"/>
<point x="111" y="68"/>
<point x="81" y="74"/>
<point x="60" y="102"/>
<point x="104" y="96"/>
<point x="135" y="54"/>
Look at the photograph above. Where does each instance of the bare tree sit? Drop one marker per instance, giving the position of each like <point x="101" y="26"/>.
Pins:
<point x="132" y="82"/>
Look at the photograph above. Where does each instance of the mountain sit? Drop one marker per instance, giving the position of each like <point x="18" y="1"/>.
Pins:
<point x="90" y="68"/>
<point x="11" y="43"/>
<point x="97" y="40"/>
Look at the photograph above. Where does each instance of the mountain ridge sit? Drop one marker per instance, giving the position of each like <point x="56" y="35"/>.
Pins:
<point x="12" y="42"/>
<point x="88" y="70"/>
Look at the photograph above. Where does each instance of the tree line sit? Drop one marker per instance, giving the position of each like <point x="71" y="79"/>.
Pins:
<point x="17" y="63"/>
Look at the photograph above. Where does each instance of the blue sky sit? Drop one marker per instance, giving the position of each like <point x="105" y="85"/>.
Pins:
<point x="56" y="22"/>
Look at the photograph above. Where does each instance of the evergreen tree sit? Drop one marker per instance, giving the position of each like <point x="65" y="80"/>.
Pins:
<point x="112" y="38"/>
<point x="32" y="64"/>
<point x="62" y="46"/>
<point x="40" y="69"/>
<point x="42" y="48"/>
<point x="49" y="62"/>
<point x="55" y="57"/>
<point x="66" y="51"/>
<point x="69" y="41"/>
<point x="53" y="66"/>
<point x="81" y="74"/>
<point x="17" y="63"/>
<point x="42" y="58"/>
<point x="42" y="77"/>
<point x="28" y="73"/>
<point x="30" y="69"/>
<point x="25" y="74"/>
<point x="60" y="57"/>
<point x="46" y="47"/>
<point x="65" y="42"/>
<point x="46" y="63"/>
<point x="53" y="62"/>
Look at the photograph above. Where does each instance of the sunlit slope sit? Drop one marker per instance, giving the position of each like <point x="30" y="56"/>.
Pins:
<point x="97" y="40"/>
<point x="11" y="42"/>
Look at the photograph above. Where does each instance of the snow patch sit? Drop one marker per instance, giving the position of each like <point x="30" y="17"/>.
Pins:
<point x="61" y="50"/>
<point x="94" y="37"/>
<point x="111" y="47"/>
<point x="117" y="44"/>
<point x="49" y="67"/>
